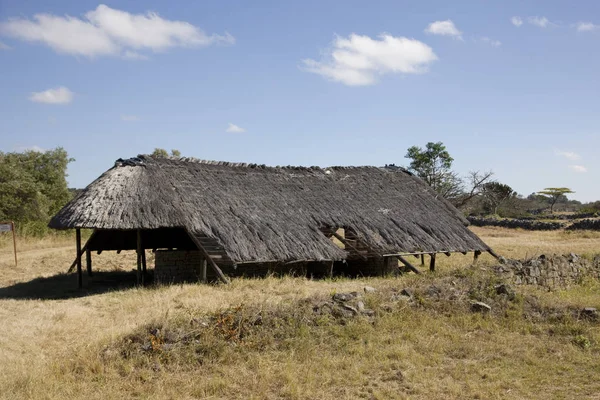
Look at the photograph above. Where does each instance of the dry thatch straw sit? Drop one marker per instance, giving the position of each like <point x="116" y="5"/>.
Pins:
<point x="258" y="213"/>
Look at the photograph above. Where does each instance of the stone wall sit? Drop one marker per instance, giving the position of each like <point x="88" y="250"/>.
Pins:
<point x="549" y="271"/>
<point x="176" y="266"/>
<point x="533" y="225"/>
<point x="527" y="224"/>
<point x="591" y="224"/>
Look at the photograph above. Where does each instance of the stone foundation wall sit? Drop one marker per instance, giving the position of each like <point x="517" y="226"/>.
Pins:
<point x="373" y="266"/>
<point x="552" y="271"/>
<point x="176" y="266"/>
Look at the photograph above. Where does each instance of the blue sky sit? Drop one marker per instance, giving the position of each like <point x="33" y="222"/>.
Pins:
<point x="309" y="83"/>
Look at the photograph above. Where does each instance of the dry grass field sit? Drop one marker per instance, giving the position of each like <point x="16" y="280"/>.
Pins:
<point x="57" y="342"/>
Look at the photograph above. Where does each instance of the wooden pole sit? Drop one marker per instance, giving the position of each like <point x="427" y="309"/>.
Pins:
<point x="88" y="261"/>
<point x="144" y="261"/>
<point x="203" y="269"/>
<point x="84" y="248"/>
<point x="476" y="256"/>
<point x="331" y="270"/>
<point x="346" y="243"/>
<point x="422" y="260"/>
<point x="78" y="245"/>
<point x="12" y="227"/>
<point x="207" y="256"/>
<point x="493" y="253"/>
<point x="408" y="265"/>
<point x="432" y="262"/>
<point x="140" y="276"/>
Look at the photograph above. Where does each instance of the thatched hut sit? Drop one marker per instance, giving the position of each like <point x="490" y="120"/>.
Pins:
<point x="236" y="217"/>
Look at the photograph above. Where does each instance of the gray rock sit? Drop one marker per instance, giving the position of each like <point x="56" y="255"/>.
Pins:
<point x="408" y="292"/>
<point x="350" y="308"/>
<point x="401" y="297"/>
<point x="590" y="313"/>
<point x="369" y="289"/>
<point x="360" y="306"/>
<point x="368" y="313"/>
<point x="479" y="306"/>
<point x="434" y="291"/>
<point x="344" y="297"/>
<point x="342" y="312"/>
<point x="507" y="290"/>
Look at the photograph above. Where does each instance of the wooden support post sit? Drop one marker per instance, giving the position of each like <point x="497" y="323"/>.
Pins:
<point x="78" y="246"/>
<point x="203" y="268"/>
<point x="476" y="256"/>
<point x="74" y="264"/>
<point x="12" y="227"/>
<point x="432" y="262"/>
<point x="140" y="276"/>
<point x="493" y="253"/>
<point x="346" y="243"/>
<point x="422" y="260"/>
<point x="207" y="256"/>
<point x="144" y="261"/>
<point x="331" y="270"/>
<point x="88" y="261"/>
<point x="408" y="265"/>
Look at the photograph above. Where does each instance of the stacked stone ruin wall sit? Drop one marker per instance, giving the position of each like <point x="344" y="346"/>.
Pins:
<point x="553" y="271"/>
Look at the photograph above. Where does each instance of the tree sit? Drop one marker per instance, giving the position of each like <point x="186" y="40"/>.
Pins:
<point x="433" y="164"/>
<point x="476" y="181"/>
<point x="33" y="184"/>
<point x="495" y="194"/>
<point x="554" y="194"/>
<point x="158" y="152"/>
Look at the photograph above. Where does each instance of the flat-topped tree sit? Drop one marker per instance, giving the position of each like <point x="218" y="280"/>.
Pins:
<point x="553" y="194"/>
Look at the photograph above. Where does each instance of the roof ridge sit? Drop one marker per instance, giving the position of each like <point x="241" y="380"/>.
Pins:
<point x="142" y="159"/>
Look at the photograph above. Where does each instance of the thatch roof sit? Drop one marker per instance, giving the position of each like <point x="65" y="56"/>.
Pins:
<point x="259" y="213"/>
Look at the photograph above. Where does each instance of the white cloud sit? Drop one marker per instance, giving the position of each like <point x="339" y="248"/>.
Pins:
<point x="107" y="31"/>
<point x="516" y="21"/>
<point x="59" y="95"/>
<point x="359" y="60"/>
<point x="21" y="149"/>
<point x="444" y="28"/>
<point x="130" y="118"/>
<point x="132" y="55"/>
<point x="586" y="27"/>
<point x="571" y="155"/>
<point x="491" y="42"/>
<point x="540" y="22"/>
<point x="234" y="128"/>
<point x="4" y="46"/>
<point x="578" y="168"/>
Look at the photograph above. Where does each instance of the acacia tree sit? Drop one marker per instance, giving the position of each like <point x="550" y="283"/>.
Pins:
<point x="554" y="194"/>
